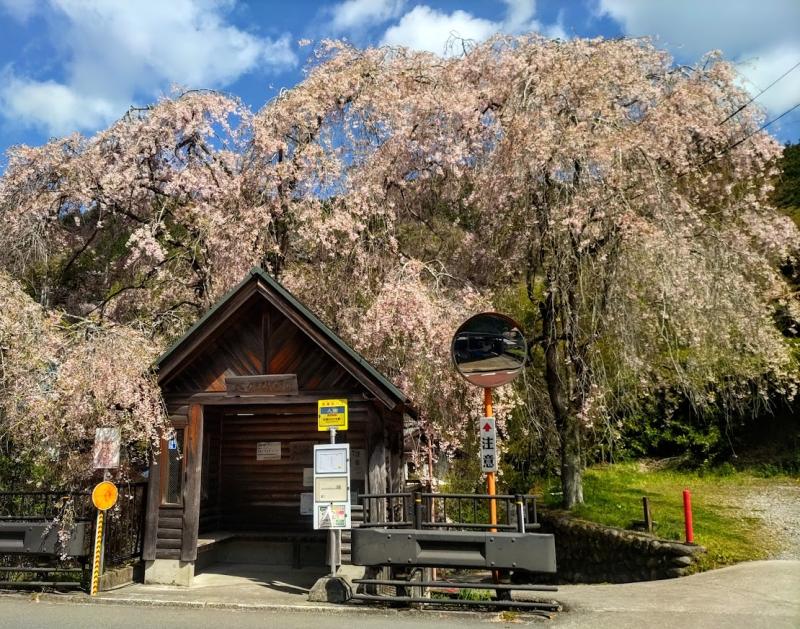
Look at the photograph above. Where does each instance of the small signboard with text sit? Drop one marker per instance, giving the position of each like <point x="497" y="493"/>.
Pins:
<point x="268" y="451"/>
<point x="487" y="438"/>
<point x="332" y="486"/>
<point x="332" y="516"/>
<point x="105" y="455"/>
<point x="331" y="414"/>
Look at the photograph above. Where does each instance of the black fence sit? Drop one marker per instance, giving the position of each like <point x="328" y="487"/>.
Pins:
<point x="426" y="510"/>
<point x="64" y="512"/>
<point x="40" y="506"/>
<point x="125" y="525"/>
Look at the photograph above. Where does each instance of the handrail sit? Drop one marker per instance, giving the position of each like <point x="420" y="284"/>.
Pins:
<point x="430" y="510"/>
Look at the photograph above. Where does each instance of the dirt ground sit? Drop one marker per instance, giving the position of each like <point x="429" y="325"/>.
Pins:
<point x="777" y="505"/>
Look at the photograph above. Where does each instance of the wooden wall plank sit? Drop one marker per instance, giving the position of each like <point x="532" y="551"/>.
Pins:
<point x="265" y="495"/>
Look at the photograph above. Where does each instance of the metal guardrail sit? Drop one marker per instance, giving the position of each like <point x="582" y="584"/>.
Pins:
<point x="404" y="532"/>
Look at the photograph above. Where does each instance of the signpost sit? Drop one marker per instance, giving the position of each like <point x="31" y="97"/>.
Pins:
<point x="104" y="496"/>
<point x="332" y="475"/>
<point x="105" y="456"/>
<point x="489" y="350"/>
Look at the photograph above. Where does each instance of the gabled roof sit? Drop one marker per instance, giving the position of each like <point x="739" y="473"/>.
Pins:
<point x="258" y="281"/>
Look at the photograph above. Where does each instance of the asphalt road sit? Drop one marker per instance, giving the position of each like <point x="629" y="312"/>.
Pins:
<point x="754" y="595"/>
<point x="19" y="614"/>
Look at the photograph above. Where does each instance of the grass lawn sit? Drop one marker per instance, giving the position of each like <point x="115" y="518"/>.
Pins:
<point x="722" y="522"/>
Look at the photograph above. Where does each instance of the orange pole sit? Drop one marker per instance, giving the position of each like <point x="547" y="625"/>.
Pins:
<point x="491" y="487"/>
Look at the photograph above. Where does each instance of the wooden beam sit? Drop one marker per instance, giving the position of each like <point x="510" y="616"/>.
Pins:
<point x="217" y="398"/>
<point x="396" y="471"/>
<point x="266" y="337"/>
<point x="323" y="341"/>
<point x="193" y="451"/>
<point x="183" y="354"/>
<point x="376" y="466"/>
<point x="153" y="502"/>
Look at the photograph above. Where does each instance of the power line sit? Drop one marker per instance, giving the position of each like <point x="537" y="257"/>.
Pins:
<point x="760" y="93"/>
<point x="748" y="136"/>
<point x="711" y="158"/>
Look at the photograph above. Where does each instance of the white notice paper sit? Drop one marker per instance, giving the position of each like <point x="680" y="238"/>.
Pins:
<point x="358" y="463"/>
<point x="268" y="451"/>
<point x="307" y="503"/>
<point x="308" y="477"/>
<point x="331" y="459"/>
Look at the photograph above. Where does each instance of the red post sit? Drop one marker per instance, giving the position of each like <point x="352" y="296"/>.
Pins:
<point x="687" y="516"/>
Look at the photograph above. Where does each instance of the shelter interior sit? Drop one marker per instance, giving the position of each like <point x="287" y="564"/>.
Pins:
<point x="228" y="485"/>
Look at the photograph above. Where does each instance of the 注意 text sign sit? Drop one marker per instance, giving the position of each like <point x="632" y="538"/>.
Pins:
<point x="487" y="441"/>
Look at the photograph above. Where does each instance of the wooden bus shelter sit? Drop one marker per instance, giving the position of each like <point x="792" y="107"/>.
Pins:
<point x="241" y="388"/>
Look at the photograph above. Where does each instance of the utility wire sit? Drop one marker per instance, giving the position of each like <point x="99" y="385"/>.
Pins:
<point x="747" y="137"/>
<point x="711" y="158"/>
<point x="796" y="65"/>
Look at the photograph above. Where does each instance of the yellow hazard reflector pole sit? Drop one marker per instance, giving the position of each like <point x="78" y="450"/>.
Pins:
<point x="97" y="558"/>
<point x="104" y="496"/>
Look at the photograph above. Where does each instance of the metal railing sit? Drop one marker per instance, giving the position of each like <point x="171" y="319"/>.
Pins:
<point x="38" y="506"/>
<point x="124" y="533"/>
<point x="125" y="525"/>
<point x="427" y="510"/>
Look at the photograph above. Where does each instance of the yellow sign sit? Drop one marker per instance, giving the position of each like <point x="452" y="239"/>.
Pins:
<point x="104" y="495"/>
<point x="332" y="414"/>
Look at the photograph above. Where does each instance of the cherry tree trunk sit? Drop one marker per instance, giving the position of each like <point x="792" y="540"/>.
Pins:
<point x="567" y="422"/>
<point x="571" y="462"/>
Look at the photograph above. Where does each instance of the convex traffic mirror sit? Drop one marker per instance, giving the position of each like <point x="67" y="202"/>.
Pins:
<point x="489" y="349"/>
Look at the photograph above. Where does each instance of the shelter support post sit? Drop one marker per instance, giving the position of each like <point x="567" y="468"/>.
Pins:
<point x="193" y="453"/>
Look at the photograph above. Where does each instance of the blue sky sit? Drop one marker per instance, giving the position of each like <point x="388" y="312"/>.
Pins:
<point x="77" y="65"/>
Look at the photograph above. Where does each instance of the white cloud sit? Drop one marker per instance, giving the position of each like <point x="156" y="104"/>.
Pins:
<point x="354" y="15"/>
<point x="117" y="51"/>
<point x="520" y="15"/>
<point x="764" y="66"/>
<point x="424" y="28"/>
<point x="691" y="28"/>
<point x="57" y="108"/>
<point x="761" y="37"/>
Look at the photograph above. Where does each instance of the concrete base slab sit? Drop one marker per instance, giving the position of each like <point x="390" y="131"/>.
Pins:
<point x="169" y="572"/>
<point x="246" y="585"/>
<point x="331" y="590"/>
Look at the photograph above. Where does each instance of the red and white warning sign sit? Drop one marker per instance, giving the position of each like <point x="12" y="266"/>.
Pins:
<point x="487" y="437"/>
